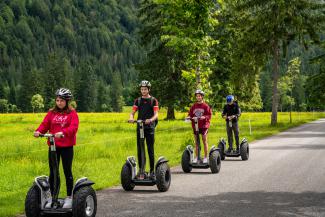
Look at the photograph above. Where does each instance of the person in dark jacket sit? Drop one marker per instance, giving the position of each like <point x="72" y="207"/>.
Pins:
<point x="147" y="107"/>
<point x="231" y="113"/>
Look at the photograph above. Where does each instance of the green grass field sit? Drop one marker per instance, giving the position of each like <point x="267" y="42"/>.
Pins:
<point x="104" y="141"/>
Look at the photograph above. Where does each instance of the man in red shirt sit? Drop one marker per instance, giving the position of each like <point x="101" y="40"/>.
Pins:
<point x="202" y="111"/>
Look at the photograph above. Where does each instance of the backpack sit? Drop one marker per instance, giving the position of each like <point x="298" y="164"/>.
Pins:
<point x="151" y="104"/>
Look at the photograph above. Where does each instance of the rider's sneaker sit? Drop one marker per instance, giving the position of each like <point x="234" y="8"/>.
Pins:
<point x="141" y="176"/>
<point x="152" y="176"/>
<point x="195" y="160"/>
<point x="205" y="160"/>
<point x="48" y="205"/>
<point x="67" y="203"/>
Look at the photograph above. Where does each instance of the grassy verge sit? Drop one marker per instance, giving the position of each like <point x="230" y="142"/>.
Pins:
<point x="104" y="142"/>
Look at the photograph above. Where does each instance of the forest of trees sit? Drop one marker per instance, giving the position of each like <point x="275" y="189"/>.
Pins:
<point x="88" y="46"/>
<point x="269" y="54"/>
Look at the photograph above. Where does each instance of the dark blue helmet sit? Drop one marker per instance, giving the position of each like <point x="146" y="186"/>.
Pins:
<point x="230" y="98"/>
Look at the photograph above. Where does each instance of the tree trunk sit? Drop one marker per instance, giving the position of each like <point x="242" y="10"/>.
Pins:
<point x="197" y="74"/>
<point x="275" y="97"/>
<point x="170" y="113"/>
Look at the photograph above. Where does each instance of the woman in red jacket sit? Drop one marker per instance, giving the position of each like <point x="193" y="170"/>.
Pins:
<point x="62" y="120"/>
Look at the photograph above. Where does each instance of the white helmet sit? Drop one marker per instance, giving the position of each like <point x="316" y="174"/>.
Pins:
<point x="145" y="83"/>
<point x="64" y="93"/>
<point x="199" y="92"/>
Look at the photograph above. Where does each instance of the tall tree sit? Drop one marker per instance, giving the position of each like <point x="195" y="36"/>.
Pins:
<point x="187" y="26"/>
<point x="86" y="88"/>
<point x="117" y="93"/>
<point x="163" y="65"/>
<point x="267" y="27"/>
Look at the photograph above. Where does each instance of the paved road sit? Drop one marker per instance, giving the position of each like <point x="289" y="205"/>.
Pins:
<point x="285" y="176"/>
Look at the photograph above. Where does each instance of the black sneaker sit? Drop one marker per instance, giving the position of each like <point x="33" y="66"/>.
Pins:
<point x="152" y="176"/>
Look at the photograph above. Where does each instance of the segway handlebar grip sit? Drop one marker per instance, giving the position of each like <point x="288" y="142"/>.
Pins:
<point x="48" y="135"/>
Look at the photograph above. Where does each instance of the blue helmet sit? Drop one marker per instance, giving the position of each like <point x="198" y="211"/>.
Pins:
<point x="230" y="98"/>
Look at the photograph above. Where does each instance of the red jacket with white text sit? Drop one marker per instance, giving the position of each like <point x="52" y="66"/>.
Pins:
<point x="67" y="123"/>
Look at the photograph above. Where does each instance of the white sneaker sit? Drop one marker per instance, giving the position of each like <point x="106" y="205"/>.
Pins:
<point x="48" y="204"/>
<point x="205" y="160"/>
<point x="195" y="160"/>
<point x="67" y="203"/>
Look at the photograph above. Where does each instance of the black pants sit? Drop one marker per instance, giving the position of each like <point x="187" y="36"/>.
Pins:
<point x="149" y="136"/>
<point x="67" y="156"/>
<point x="230" y="130"/>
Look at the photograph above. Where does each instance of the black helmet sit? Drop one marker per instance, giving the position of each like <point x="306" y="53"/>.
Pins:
<point x="145" y="83"/>
<point x="199" y="92"/>
<point x="64" y="93"/>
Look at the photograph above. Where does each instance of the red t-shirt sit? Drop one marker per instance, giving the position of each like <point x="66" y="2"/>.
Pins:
<point x="198" y="110"/>
<point x="67" y="123"/>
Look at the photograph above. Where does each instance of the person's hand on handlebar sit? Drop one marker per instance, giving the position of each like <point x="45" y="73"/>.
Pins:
<point x="202" y="117"/>
<point x="36" y="133"/>
<point x="59" y="135"/>
<point x="131" y="120"/>
<point x="148" y="121"/>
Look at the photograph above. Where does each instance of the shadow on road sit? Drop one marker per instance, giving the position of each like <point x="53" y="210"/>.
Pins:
<point x="243" y="204"/>
<point x="289" y="147"/>
<point x="300" y="135"/>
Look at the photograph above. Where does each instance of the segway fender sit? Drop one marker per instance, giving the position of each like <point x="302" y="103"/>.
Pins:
<point x="42" y="182"/>
<point x="189" y="149"/>
<point x="160" y="161"/>
<point x="243" y="141"/>
<point x="132" y="163"/>
<point x="82" y="182"/>
<point x="213" y="148"/>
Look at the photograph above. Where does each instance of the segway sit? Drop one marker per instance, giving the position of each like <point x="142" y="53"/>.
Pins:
<point x="40" y="202"/>
<point x="129" y="177"/>
<point x="243" y="151"/>
<point x="214" y="162"/>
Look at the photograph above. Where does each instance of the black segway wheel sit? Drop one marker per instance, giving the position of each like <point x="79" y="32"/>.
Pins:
<point x="33" y="202"/>
<point x="244" y="151"/>
<point x="186" y="158"/>
<point x="163" y="177"/>
<point x="222" y="150"/>
<point x="126" y="178"/>
<point x="84" y="202"/>
<point x="215" y="162"/>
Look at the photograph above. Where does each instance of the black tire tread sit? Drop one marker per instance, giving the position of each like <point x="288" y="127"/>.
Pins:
<point x="244" y="151"/>
<point x="32" y="202"/>
<point x="126" y="178"/>
<point x="222" y="151"/>
<point x="186" y="162"/>
<point x="79" y="200"/>
<point x="215" y="162"/>
<point x="161" y="171"/>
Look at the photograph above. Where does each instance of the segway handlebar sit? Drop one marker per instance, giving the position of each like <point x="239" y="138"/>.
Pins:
<point x="231" y="117"/>
<point x="48" y="135"/>
<point x="188" y="119"/>
<point x="137" y="121"/>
